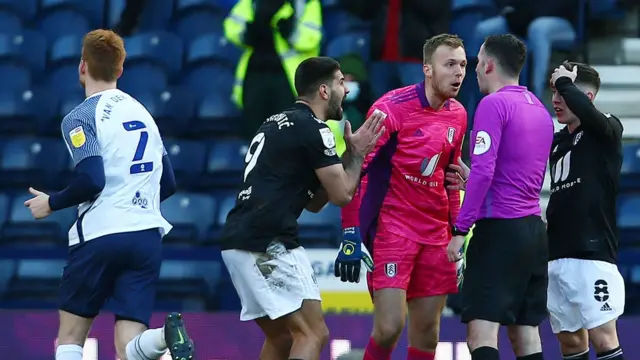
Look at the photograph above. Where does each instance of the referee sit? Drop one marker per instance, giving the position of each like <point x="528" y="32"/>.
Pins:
<point x="586" y="292"/>
<point x="505" y="282"/>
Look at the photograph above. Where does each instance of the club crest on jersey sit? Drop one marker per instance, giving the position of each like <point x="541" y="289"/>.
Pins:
<point x="327" y="138"/>
<point x="577" y="138"/>
<point x="451" y="133"/>
<point x="77" y="137"/>
<point x="390" y="269"/>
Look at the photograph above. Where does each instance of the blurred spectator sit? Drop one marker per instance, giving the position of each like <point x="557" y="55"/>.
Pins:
<point x="399" y="28"/>
<point x="355" y="354"/>
<point x="130" y="17"/>
<point x="544" y="23"/>
<point x="277" y="35"/>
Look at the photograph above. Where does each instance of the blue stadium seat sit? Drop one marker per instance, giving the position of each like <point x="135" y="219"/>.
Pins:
<point x="225" y="164"/>
<point x="198" y="5"/>
<point x="22" y="227"/>
<point x="206" y="79"/>
<point x="114" y="11"/>
<point x="9" y="23"/>
<point x="213" y="48"/>
<point x="156" y="15"/>
<point x="35" y="284"/>
<point x="69" y="102"/>
<point x="629" y="219"/>
<point x="217" y="114"/>
<point x="63" y="22"/>
<point x="27" y="47"/>
<point x="66" y="49"/>
<point x="191" y="215"/>
<point x="191" y="25"/>
<point x="338" y="22"/>
<point x="64" y="79"/>
<point x="322" y="227"/>
<point x="226" y="202"/>
<point x="26" y="111"/>
<point x="15" y="77"/>
<point x="187" y="159"/>
<point x="171" y="109"/>
<point x="30" y="162"/>
<point x="630" y="172"/>
<point x="155" y="78"/>
<point x="467" y="14"/>
<point x="93" y="10"/>
<point x="25" y="9"/>
<point x="4" y="208"/>
<point x="351" y="43"/>
<point x="187" y="284"/>
<point x="158" y="47"/>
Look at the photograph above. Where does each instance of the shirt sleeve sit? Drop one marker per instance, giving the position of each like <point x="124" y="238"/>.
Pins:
<point x="351" y="212"/>
<point x="81" y="137"/>
<point x="320" y="146"/>
<point x="603" y="126"/>
<point x="488" y="123"/>
<point x="454" y="195"/>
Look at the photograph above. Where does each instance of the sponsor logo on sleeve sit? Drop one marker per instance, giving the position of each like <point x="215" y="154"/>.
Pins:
<point x="483" y="143"/>
<point x="327" y="138"/>
<point x="77" y="137"/>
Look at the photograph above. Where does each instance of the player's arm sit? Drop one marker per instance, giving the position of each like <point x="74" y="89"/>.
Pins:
<point x="88" y="179"/>
<point x="319" y="200"/>
<point x="340" y="180"/>
<point x="591" y="119"/>
<point x="168" y="185"/>
<point x="488" y="123"/>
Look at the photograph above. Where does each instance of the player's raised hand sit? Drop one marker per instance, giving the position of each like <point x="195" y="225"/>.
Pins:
<point x="564" y="71"/>
<point x="363" y="141"/>
<point x="457" y="178"/>
<point x="39" y="204"/>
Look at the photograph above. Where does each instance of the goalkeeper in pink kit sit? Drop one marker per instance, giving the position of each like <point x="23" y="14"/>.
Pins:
<point x="403" y="213"/>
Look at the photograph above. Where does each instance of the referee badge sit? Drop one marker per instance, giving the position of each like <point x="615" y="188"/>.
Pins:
<point x="391" y="269"/>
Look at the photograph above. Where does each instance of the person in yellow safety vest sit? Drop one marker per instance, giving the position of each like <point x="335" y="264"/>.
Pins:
<point x="276" y="36"/>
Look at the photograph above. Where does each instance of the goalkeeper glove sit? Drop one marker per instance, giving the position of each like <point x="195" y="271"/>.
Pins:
<point x="350" y="256"/>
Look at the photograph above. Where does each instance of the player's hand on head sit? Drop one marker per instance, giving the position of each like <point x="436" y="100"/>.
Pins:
<point x="457" y="178"/>
<point x="363" y="141"/>
<point x="564" y="70"/>
<point x="39" y="204"/>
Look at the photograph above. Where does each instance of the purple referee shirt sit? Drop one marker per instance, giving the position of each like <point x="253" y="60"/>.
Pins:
<point x="513" y="132"/>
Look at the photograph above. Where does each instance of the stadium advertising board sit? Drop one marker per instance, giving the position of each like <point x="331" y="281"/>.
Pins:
<point x="31" y="336"/>
<point x="338" y="296"/>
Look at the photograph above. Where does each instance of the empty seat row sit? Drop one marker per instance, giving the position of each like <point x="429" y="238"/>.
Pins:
<point x="196" y="218"/>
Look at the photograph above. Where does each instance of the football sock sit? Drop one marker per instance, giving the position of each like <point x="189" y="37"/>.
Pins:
<point x="485" y="353"/>
<point x="417" y="354"/>
<point x="374" y="351"/>
<point x="536" y="356"/>
<point x="615" y="354"/>
<point x="577" y="356"/>
<point x="149" y="345"/>
<point x="69" y="352"/>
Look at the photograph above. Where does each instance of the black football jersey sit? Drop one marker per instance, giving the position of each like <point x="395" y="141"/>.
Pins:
<point x="279" y="179"/>
<point x="585" y="170"/>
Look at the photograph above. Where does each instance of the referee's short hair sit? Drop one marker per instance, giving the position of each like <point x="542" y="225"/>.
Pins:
<point x="586" y="74"/>
<point x="508" y="51"/>
<point x="314" y="72"/>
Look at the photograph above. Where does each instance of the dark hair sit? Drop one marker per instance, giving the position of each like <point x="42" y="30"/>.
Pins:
<point x="586" y="74"/>
<point x="431" y="45"/>
<point x="508" y="51"/>
<point x="314" y="72"/>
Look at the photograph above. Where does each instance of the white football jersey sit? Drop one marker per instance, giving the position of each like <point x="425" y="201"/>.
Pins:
<point x="115" y="126"/>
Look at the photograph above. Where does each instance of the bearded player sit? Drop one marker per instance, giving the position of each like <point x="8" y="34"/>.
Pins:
<point x="403" y="212"/>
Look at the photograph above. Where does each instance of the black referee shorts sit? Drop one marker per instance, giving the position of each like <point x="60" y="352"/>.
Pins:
<point x="506" y="276"/>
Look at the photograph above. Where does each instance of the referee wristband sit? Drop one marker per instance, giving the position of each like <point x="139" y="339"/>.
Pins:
<point x="457" y="232"/>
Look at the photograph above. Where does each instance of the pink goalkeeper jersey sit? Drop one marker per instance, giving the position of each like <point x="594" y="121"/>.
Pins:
<point x="403" y="189"/>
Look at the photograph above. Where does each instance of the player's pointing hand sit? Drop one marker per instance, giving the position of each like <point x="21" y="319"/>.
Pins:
<point x="39" y="204"/>
<point x="457" y="178"/>
<point x="363" y="141"/>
